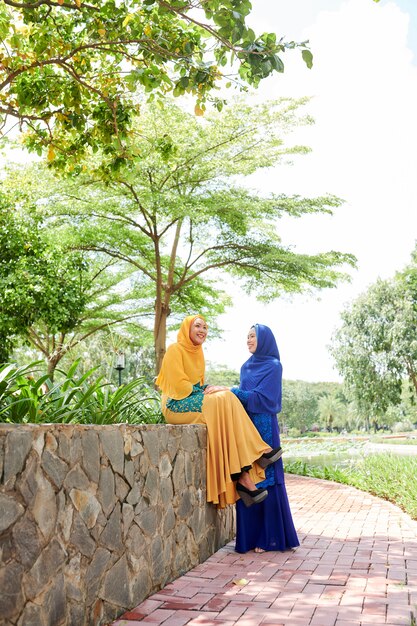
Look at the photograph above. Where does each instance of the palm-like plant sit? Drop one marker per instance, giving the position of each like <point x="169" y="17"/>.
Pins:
<point x="28" y="396"/>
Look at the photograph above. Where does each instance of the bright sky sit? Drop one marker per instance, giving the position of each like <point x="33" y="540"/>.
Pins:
<point x="364" y="101"/>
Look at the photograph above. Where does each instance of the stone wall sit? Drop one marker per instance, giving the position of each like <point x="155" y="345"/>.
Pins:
<point x="95" y="518"/>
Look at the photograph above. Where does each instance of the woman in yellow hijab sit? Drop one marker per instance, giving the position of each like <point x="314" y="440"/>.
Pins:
<point x="236" y="454"/>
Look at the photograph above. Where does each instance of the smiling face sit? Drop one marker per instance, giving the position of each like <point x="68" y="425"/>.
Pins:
<point x="252" y="342"/>
<point x="198" y="331"/>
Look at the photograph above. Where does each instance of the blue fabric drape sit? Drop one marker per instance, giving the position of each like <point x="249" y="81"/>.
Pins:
<point x="268" y="525"/>
<point x="261" y="374"/>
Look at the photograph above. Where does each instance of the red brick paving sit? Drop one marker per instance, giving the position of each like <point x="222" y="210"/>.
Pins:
<point x="356" y="566"/>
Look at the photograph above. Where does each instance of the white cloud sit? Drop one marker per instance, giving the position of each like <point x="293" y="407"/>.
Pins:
<point x="364" y="97"/>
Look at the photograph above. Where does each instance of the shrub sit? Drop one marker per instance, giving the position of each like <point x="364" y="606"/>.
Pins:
<point x="28" y="396"/>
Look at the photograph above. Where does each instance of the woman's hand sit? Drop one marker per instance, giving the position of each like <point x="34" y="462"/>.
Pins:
<point x="214" y="389"/>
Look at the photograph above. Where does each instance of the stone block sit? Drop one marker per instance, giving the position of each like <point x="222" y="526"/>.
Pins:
<point x="18" y="445"/>
<point x="136" y="448"/>
<point x="64" y="516"/>
<point x="7" y="548"/>
<point x="44" y="570"/>
<point x="185" y="506"/>
<point x="27" y="540"/>
<point x="44" y="507"/>
<point x="111" y="537"/>
<point x="128" y="513"/>
<point x="122" y="488"/>
<point x="32" y="615"/>
<point x="157" y="561"/>
<point x="76" y="448"/>
<point x="95" y="573"/>
<point x="169" y="520"/>
<point x="141" y="584"/>
<point x="189" y="440"/>
<point x="197" y="524"/>
<point x="80" y="537"/>
<point x="174" y="441"/>
<point x="73" y="584"/>
<point x="151" y="444"/>
<point x="106" y="490"/>
<point x="54" y="603"/>
<point x="116" y="588"/>
<point x="136" y="544"/>
<point x="143" y="464"/>
<point x="54" y="468"/>
<point x="64" y="445"/>
<point x="134" y="495"/>
<point x="166" y="491"/>
<point x="178" y="474"/>
<point x="27" y="484"/>
<point x="129" y="472"/>
<point x="76" y="479"/>
<point x="189" y="468"/>
<point x="10" y="511"/>
<point x="148" y="521"/>
<point x="91" y="453"/>
<point x="87" y="505"/>
<point x="11" y="596"/>
<point x="76" y="615"/>
<point x="151" y="488"/>
<point x="165" y="467"/>
<point x="113" y="447"/>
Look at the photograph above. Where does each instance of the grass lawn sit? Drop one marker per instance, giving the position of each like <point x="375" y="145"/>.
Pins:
<point x="386" y="475"/>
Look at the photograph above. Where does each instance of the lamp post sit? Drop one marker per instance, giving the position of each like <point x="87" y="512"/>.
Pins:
<point x="120" y="364"/>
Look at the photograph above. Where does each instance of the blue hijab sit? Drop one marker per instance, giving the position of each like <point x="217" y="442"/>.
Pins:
<point x="261" y="374"/>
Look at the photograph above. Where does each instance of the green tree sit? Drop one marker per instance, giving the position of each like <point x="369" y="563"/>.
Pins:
<point x="70" y="70"/>
<point x="299" y="406"/>
<point x="53" y="299"/>
<point x="376" y="346"/>
<point x="331" y="412"/>
<point x="221" y="375"/>
<point x="180" y="215"/>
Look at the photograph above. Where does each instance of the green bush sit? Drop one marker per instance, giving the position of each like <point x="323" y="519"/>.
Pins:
<point x="28" y="396"/>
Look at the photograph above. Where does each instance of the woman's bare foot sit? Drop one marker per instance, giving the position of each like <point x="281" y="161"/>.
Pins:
<point x="245" y="480"/>
<point x="259" y="550"/>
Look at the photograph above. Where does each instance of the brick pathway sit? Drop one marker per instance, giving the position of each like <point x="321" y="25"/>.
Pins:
<point x="356" y="565"/>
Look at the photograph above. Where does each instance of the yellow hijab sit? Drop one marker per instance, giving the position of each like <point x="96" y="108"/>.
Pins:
<point x="183" y="365"/>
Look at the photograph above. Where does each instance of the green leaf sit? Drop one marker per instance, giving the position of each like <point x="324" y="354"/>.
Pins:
<point x="307" y="57"/>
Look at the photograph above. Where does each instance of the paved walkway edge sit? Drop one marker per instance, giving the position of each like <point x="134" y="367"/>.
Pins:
<point x="356" y="565"/>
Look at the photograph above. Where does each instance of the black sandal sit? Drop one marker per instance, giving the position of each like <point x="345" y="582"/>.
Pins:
<point x="270" y="457"/>
<point x="251" y="497"/>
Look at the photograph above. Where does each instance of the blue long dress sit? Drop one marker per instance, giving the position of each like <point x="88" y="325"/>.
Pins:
<point x="269" y="524"/>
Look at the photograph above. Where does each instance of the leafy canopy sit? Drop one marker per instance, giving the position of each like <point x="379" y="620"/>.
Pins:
<point x="52" y="298"/>
<point x="177" y="210"/>
<point x="375" y="348"/>
<point x="70" y="70"/>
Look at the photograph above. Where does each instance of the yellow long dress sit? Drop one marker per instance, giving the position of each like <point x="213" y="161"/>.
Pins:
<point x="233" y="440"/>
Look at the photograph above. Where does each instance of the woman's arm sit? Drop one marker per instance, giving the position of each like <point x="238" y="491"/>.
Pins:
<point x="266" y="396"/>
<point x="179" y="383"/>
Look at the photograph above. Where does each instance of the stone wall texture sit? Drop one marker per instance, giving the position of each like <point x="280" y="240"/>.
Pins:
<point x="93" y="519"/>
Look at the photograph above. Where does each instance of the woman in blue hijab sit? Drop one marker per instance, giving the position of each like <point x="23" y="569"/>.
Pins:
<point x="267" y="525"/>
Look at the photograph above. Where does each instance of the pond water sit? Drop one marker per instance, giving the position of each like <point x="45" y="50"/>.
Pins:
<point x="329" y="459"/>
<point x="345" y="457"/>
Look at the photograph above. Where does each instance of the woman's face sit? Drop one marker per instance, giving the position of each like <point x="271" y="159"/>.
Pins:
<point x="198" y="331"/>
<point x="252" y="341"/>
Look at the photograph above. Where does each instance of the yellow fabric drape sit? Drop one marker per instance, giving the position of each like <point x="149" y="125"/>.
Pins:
<point x="183" y="364"/>
<point x="232" y="440"/>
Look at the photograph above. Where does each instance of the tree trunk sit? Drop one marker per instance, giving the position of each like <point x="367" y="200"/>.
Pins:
<point x="52" y="362"/>
<point x="160" y="334"/>
<point x="411" y="373"/>
<point x="163" y="296"/>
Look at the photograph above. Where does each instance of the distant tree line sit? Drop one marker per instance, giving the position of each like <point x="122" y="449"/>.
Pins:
<point x="375" y="350"/>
